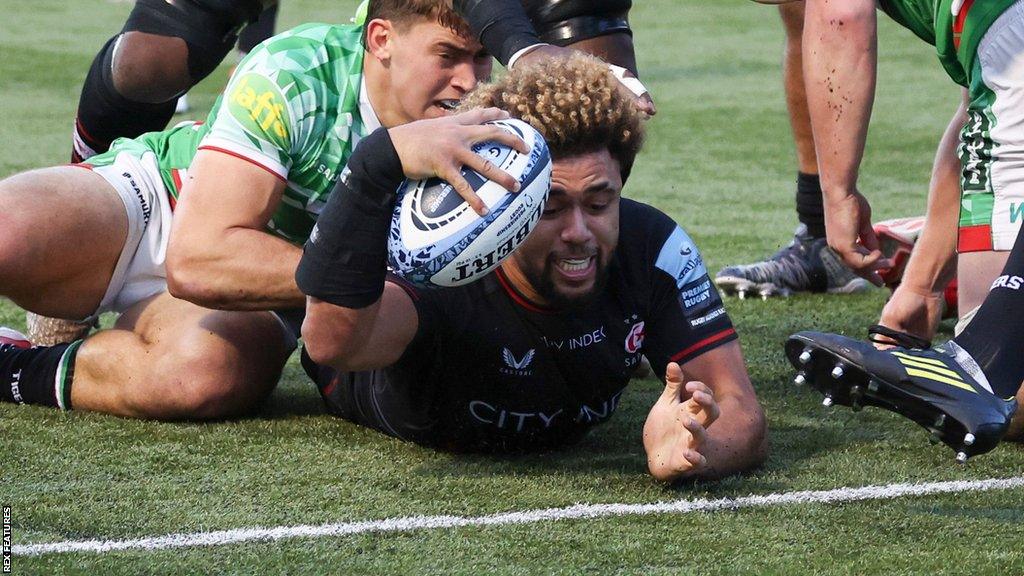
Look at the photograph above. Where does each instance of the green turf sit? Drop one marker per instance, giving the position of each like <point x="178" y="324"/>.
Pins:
<point x="719" y="159"/>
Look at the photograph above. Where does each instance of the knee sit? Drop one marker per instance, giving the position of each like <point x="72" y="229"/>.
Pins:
<point x="210" y="387"/>
<point x="150" y="69"/>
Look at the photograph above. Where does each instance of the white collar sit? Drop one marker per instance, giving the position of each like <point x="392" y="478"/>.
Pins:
<point x="370" y="120"/>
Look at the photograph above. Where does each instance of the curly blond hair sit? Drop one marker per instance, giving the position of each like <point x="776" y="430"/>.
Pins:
<point x="573" y="101"/>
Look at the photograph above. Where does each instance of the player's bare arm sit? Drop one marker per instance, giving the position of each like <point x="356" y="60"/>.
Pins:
<point x="840" y="54"/>
<point x="220" y="255"/>
<point x="707" y="423"/>
<point x="916" y="305"/>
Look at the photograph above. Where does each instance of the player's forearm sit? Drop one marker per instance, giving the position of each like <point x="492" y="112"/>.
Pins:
<point x="242" y="269"/>
<point x="839" y="57"/>
<point x="367" y="338"/>
<point x="737" y="441"/>
<point x="501" y="25"/>
<point x="332" y="333"/>
<point x="933" y="262"/>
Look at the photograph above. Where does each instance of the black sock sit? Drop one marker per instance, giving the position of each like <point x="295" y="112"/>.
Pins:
<point x="810" y="207"/>
<point x="40" y="375"/>
<point x="994" y="336"/>
<point x="258" y="30"/>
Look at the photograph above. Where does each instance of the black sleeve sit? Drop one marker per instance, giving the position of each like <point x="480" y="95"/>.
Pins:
<point x="345" y="259"/>
<point x="686" y="314"/>
<point x="501" y="25"/>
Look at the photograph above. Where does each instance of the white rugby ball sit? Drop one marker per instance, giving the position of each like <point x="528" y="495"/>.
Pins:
<point x="438" y="240"/>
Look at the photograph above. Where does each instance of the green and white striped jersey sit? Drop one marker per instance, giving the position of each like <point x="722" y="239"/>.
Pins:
<point x="291" y="107"/>
<point x="954" y="27"/>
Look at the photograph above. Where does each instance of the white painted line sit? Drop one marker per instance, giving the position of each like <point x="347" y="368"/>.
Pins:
<point x="407" y="523"/>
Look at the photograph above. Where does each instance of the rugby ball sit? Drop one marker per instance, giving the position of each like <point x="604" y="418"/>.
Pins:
<point x="438" y="240"/>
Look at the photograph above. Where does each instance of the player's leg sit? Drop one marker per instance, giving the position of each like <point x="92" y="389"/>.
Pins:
<point x="964" y="390"/>
<point x="806" y="264"/>
<point x="63" y="232"/>
<point x="165" y="359"/>
<point x="132" y="86"/>
<point x="169" y="359"/>
<point x="164" y="49"/>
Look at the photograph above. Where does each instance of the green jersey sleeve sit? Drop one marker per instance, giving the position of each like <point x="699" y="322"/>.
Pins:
<point x="292" y="108"/>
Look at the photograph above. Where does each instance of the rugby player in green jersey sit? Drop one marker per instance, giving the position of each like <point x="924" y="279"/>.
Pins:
<point x="968" y="402"/>
<point x="193" y="234"/>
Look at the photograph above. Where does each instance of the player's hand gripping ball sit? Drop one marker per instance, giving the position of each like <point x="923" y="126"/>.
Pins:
<point x="438" y="240"/>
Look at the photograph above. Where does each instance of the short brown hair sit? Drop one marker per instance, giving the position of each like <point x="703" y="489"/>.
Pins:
<point x="403" y="12"/>
<point x="574" y="102"/>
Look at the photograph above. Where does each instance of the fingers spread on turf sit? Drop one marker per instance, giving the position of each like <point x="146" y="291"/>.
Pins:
<point x="696" y="429"/>
<point x="697" y="461"/>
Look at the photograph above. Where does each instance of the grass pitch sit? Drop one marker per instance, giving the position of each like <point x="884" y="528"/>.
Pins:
<point x="719" y="159"/>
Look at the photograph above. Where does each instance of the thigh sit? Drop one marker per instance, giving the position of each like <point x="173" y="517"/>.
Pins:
<point x="237" y="349"/>
<point x="63" y="231"/>
<point x="170" y="359"/>
<point x="975" y="272"/>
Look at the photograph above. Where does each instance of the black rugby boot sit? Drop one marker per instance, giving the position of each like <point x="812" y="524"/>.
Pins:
<point x="941" y="388"/>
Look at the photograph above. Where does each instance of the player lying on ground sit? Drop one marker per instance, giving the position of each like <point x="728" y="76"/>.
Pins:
<point x="980" y="47"/>
<point x="197" y="337"/>
<point x="166" y="47"/>
<point x="538" y="352"/>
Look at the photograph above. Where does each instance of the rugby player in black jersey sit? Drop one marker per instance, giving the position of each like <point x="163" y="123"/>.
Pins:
<point x="537" y="353"/>
<point x="168" y="46"/>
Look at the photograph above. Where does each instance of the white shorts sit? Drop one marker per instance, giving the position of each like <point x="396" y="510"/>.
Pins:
<point x="140" y="271"/>
<point x="992" y="141"/>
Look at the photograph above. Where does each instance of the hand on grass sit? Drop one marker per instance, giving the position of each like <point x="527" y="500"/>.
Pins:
<point x="676" y="427"/>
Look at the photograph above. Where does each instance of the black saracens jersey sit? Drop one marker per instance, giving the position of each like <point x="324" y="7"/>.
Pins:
<point x="488" y="370"/>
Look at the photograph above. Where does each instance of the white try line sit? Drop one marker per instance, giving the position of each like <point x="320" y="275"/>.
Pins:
<point x="221" y="537"/>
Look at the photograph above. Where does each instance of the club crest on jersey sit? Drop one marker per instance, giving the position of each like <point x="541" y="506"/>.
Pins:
<point x="635" y="338"/>
<point x="517" y="366"/>
<point x="258" y="105"/>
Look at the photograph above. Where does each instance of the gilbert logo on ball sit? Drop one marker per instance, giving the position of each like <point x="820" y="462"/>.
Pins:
<point x="436" y="238"/>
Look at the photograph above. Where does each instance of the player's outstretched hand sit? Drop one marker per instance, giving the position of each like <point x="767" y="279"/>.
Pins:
<point x="442" y="146"/>
<point x="850" y="234"/>
<point x="913" y="311"/>
<point x="676" y="427"/>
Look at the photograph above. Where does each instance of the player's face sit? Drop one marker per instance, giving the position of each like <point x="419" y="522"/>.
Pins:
<point x="431" y="68"/>
<point x="565" y="258"/>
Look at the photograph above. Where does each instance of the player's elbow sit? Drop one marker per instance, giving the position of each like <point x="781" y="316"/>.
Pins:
<point x="757" y="438"/>
<point x="185" y="284"/>
<point x="187" y="279"/>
